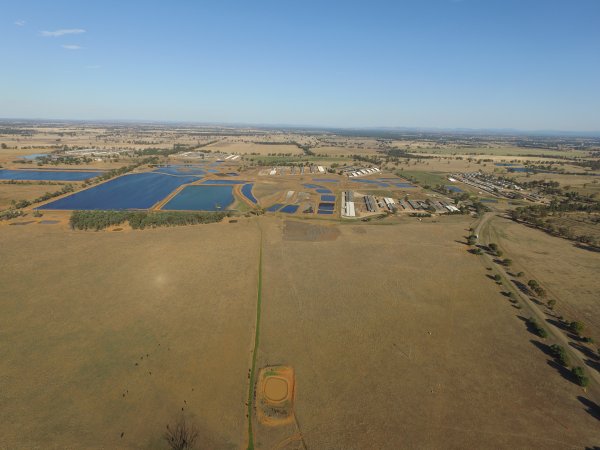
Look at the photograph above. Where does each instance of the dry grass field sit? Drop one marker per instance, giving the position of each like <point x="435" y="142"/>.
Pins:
<point x="392" y="333"/>
<point x="396" y="336"/>
<point x="399" y="340"/>
<point x="249" y="147"/>
<point x="343" y="151"/>
<point x="108" y="333"/>
<point x="494" y="150"/>
<point x="568" y="273"/>
<point x="9" y="192"/>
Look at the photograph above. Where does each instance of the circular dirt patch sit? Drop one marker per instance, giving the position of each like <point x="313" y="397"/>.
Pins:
<point x="276" y="389"/>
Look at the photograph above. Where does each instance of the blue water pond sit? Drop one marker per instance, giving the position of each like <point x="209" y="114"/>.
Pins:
<point x="275" y="207"/>
<point x="326" y="180"/>
<point x="201" y="198"/>
<point x="135" y="191"/>
<point x="47" y="175"/>
<point x="453" y="188"/>
<point x="326" y="206"/>
<point x="247" y="191"/>
<point x="289" y="209"/>
<point x="181" y="170"/>
<point x="225" y="182"/>
<point x="33" y="156"/>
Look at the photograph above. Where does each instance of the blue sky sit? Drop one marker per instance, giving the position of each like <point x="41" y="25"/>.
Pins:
<point x="527" y="64"/>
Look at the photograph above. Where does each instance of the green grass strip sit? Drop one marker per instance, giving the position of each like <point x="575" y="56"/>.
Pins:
<point x="256" y="339"/>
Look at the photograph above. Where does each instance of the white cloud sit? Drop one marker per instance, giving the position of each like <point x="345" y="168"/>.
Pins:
<point x="71" y="47"/>
<point x="20" y="23"/>
<point x="58" y="33"/>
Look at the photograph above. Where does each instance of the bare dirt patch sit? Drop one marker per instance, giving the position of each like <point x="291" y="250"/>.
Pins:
<point x="275" y="395"/>
<point x="304" y="231"/>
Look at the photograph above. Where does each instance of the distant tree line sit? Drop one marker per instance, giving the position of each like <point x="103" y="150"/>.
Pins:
<point x="47" y="196"/>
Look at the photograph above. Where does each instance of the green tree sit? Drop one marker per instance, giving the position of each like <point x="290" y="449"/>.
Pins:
<point x="536" y="328"/>
<point x="579" y="376"/>
<point x="576" y="327"/>
<point x="560" y="354"/>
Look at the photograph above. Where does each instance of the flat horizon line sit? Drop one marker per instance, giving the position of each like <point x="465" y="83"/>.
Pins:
<point x="278" y="126"/>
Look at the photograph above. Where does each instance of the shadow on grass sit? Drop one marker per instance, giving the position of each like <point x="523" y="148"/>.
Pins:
<point x="585" y="350"/>
<point x="521" y="286"/>
<point x="558" y="324"/>
<point x="528" y="324"/>
<point x="564" y="372"/>
<point x="543" y="347"/>
<point x="591" y="407"/>
<point x="587" y="247"/>
<point x="536" y="301"/>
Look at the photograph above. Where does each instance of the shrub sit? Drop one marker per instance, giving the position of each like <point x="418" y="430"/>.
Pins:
<point x="182" y="436"/>
<point x="497" y="278"/>
<point x="536" y="328"/>
<point x="576" y="327"/>
<point x="10" y="214"/>
<point x="560" y="354"/>
<point x="578" y="374"/>
<point x="520" y="274"/>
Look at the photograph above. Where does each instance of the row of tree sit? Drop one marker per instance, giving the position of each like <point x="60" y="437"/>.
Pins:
<point x="138" y="220"/>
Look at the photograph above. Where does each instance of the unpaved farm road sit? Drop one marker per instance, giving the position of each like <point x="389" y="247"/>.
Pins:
<point x="484" y="229"/>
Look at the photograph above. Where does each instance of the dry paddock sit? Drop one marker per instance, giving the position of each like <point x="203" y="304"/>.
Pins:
<point x="397" y="338"/>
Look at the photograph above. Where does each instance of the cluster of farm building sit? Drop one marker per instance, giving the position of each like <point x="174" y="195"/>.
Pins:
<point x="369" y="204"/>
<point x="498" y="187"/>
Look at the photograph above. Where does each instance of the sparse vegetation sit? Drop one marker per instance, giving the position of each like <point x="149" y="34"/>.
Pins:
<point x="181" y="436"/>
<point x="536" y="328"/>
